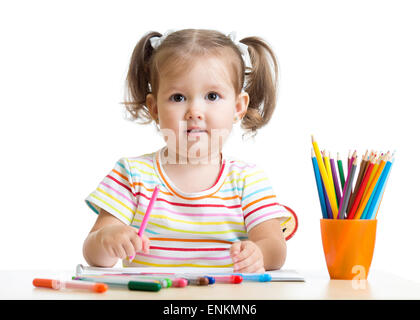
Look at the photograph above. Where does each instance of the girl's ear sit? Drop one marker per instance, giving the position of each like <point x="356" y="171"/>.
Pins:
<point x="152" y="106"/>
<point x="241" y="104"/>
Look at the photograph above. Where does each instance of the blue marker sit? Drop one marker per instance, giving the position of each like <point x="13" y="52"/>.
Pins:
<point x="261" y="277"/>
<point x="211" y="279"/>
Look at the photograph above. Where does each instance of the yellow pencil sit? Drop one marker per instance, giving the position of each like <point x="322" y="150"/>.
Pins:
<point x="324" y="176"/>
<point x="329" y="171"/>
<point x="365" y="200"/>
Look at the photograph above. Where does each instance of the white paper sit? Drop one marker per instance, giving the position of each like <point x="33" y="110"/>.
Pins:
<point x="276" y="275"/>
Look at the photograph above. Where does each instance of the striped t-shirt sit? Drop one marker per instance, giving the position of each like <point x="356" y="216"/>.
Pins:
<point x="187" y="229"/>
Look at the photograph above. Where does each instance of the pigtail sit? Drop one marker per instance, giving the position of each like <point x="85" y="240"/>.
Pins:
<point x="138" y="80"/>
<point x="261" y="85"/>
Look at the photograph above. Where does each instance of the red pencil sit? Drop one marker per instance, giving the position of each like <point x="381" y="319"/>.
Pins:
<point x="360" y="191"/>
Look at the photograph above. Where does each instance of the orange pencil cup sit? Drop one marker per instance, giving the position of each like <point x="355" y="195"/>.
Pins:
<point x="348" y="247"/>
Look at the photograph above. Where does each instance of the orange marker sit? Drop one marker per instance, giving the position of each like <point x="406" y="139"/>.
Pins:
<point x="57" y="285"/>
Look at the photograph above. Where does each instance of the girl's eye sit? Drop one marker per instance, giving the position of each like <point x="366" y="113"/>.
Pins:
<point x="177" y="97"/>
<point x="212" y="96"/>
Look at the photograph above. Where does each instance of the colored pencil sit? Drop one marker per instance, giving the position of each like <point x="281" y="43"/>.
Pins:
<point x="335" y="180"/>
<point x="359" y="194"/>
<point x="330" y="176"/>
<point x="341" y="171"/>
<point x="373" y="210"/>
<point x="319" y="186"/>
<point x="327" y="203"/>
<point x="368" y="194"/>
<point x="324" y="176"/>
<point x="376" y="162"/>
<point x="361" y="174"/>
<point x="375" y="187"/>
<point x="338" y="198"/>
<point x="347" y="188"/>
<point x="348" y="162"/>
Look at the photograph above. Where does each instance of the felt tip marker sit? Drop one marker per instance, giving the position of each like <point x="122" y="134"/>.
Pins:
<point x="58" y="285"/>
<point x="192" y="279"/>
<point x="146" y="285"/>
<point x="148" y="211"/>
<point x="164" y="281"/>
<point x="262" y="277"/>
<point x="234" y="279"/>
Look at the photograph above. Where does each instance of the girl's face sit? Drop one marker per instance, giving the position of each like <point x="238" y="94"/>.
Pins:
<point x="197" y="109"/>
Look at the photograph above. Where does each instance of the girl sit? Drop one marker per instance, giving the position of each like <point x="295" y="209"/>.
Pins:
<point x="212" y="210"/>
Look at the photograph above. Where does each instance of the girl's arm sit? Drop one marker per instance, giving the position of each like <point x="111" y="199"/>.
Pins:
<point x="265" y="249"/>
<point x="268" y="236"/>
<point x="110" y="240"/>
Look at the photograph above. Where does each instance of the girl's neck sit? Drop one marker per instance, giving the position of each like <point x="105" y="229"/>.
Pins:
<point x="191" y="176"/>
<point x="182" y="162"/>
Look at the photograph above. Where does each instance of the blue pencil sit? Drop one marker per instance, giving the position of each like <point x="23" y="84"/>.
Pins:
<point x="319" y="187"/>
<point x="369" y="204"/>
<point x="380" y="191"/>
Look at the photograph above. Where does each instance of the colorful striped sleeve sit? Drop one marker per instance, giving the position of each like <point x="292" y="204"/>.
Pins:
<point x="259" y="202"/>
<point x="116" y="193"/>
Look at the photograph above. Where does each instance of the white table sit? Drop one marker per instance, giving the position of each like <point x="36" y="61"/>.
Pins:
<point x="379" y="286"/>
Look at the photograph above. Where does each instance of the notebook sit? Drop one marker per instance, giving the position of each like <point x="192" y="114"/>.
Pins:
<point x="276" y="275"/>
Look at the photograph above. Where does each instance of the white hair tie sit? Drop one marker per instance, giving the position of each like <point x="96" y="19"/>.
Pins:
<point x="243" y="48"/>
<point x="156" y="41"/>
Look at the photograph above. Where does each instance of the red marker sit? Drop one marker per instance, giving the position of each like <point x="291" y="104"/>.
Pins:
<point x="57" y="285"/>
<point x="228" y="279"/>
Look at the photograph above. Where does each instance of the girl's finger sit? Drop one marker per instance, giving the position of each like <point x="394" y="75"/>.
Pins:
<point x="245" y="263"/>
<point x="120" y="252"/>
<point x="247" y="250"/>
<point x="137" y="243"/>
<point x="235" y="249"/>
<point x="256" y="267"/>
<point x="129" y="252"/>
<point x="249" y="269"/>
<point x="114" y="252"/>
<point x="146" y="245"/>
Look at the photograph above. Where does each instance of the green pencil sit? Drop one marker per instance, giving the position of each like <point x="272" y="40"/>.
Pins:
<point x="340" y="169"/>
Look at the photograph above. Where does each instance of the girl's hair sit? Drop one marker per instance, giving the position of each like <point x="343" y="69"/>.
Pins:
<point x="177" y="50"/>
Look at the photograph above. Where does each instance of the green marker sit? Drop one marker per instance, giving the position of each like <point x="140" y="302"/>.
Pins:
<point x="147" y="285"/>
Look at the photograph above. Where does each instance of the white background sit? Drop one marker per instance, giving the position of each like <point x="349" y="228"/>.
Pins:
<point x="350" y="75"/>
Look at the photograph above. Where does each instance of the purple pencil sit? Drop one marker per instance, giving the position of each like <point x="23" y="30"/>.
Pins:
<point x="336" y="185"/>
<point x="327" y="202"/>
<point x="347" y="188"/>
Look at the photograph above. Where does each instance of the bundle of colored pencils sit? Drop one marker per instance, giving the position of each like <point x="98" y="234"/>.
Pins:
<point x="344" y="200"/>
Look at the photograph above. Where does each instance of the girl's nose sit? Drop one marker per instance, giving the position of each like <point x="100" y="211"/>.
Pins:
<point x="194" y="114"/>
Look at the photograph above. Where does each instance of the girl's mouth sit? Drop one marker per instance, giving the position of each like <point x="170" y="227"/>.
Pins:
<point x="195" y="132"/>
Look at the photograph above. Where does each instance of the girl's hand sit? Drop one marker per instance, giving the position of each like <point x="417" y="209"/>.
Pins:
<point x="247" y="257"/>
<point x="121" y="241"/>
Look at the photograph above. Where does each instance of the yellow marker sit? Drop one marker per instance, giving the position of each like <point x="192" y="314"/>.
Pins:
<point x="324" y="176"/>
